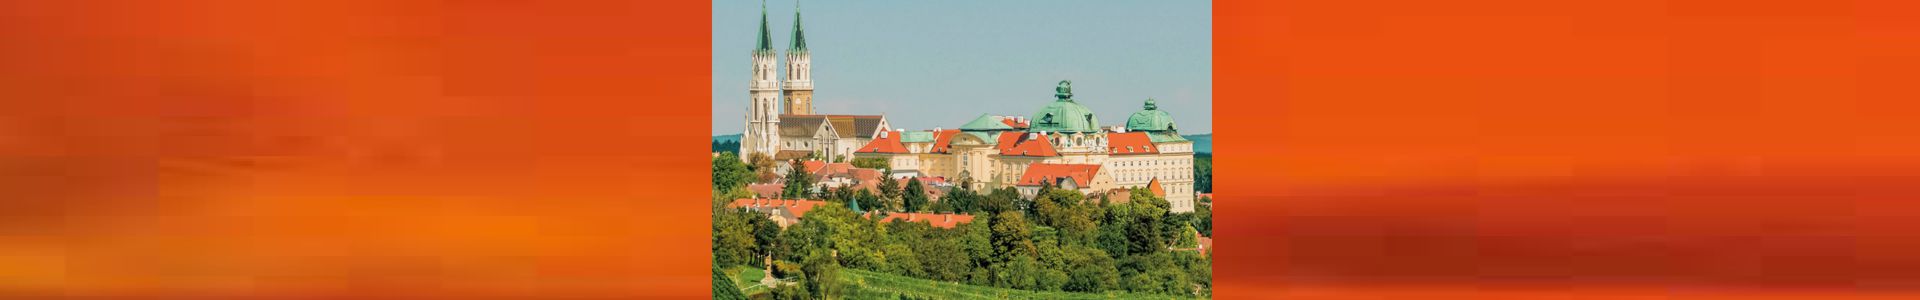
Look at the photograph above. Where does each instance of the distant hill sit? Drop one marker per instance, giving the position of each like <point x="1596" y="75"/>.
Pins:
<point x="1202" y="143"/>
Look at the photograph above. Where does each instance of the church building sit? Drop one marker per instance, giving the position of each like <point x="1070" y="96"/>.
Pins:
<point x="786" y="127"/>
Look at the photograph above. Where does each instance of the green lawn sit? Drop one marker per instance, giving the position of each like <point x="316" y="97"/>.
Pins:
<point x="747" y="278"/>
<point x="884" y="285"/>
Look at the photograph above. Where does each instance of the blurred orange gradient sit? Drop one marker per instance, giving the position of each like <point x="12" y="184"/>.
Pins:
<point x="1494" y="149"/>
<point x="353" y="149"/>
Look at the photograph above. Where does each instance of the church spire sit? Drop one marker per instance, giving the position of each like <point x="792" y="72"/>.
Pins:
<point x="766" y="41"/>
<point x="799" y="42"/>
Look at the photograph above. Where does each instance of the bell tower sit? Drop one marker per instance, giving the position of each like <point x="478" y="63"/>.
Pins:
<point x="798" y="89"/>
<point x="763" y="116"/>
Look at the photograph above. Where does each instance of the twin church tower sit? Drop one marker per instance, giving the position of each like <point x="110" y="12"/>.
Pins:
<point x="763" y="116"/>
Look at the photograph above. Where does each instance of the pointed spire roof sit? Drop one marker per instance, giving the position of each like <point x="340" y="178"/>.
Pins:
<point x="766" y="41"/>
<point x="799" y="42"/>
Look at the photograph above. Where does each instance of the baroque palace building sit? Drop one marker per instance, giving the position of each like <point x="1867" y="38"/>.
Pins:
<point x="1062" y="144"/>
<point x="788" y="128"/>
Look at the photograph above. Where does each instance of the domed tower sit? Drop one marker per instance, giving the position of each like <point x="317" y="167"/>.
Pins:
<point x="798" y="89"/>
<point x="763" y="117"/>
<point x="1150" y="119"/>
<point x="1063" y="115"/>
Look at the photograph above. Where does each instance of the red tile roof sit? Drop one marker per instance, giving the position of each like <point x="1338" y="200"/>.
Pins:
<point x="937" y="220"/>
<point x="943" y="138"/>
<point x="862" y="174"/>
<point x="1039" y="173"/>
<point x="766" y="190"/>
<point x="1154" y="186"/>
<point x="1129" y="143"/>
<point x="830" y="169"/>
<point x="813" y="166"/>
<point x="1011" y="122"/>
<point x="888" y="143"/>
<point x="1024" y="144"/>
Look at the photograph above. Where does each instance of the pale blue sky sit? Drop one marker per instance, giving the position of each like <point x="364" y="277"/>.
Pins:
<point x="927" y="64"/>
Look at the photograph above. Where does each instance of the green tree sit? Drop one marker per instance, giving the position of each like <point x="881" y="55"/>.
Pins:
<point x="822" y="273"/>
<point x="1203" y="173"/>
<point x="1203" y="219"/>
<point x="766" y="235"/>
<point x="902" y="260"/>
<point x="762" y="167"/>
<point x="1067" y="211"/>
<point x="1090" y="270"/>
<point x="871" y="163"/>
<point x="868" y="201"/>
<point x="961" y="199"/>
<point x="1000" y="200"/>
<point x="729" y="172"/>
<point x="799" y="183"/>
<point x="1012" y="236"/>
<point x="1146" y="230"/>
<point x="978" y="240"/>
<point x="732" y="237"/>
<point x="915" y="197"/>
<point x="890" y="194"/>
<point x="1187" y="237"/>
<point x="724" y="288"/>
<point x="944" y="256"/>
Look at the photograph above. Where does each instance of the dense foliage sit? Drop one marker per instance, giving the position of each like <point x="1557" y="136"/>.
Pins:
<point x="1203" y="172"/>
<point x="729" y="172"/>
<point x="726" y="147"/>
<point x="871" y="163"/>
<point x="1059" y="241"/>
<point x="724" y="288"/>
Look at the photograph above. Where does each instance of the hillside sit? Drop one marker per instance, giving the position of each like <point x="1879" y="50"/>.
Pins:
<point x="1202" y="143"/>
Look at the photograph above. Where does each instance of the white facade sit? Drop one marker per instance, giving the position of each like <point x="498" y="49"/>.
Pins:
<point x="763" y="118"/>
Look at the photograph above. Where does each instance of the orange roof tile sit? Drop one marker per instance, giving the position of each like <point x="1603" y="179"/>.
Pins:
<point x="813" y="166"/>
<point x="1024" y="144"/>
<point x="1128" y="143"/>
<point x="943" y="138"/>
<point x="947" y="221"/>
<point x="1011" y="122"/>
<point x="1154" y="186"/>
<point x="1039" y="173"/>
<point x="768" y="190"/>
<point x="863" y="174"/>
<point x="889" y="142"/>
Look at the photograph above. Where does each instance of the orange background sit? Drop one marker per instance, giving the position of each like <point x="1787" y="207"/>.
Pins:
<point x="1370" y="149"/>
<point x="352" y="149"/>
<point x="1567" y="150"/>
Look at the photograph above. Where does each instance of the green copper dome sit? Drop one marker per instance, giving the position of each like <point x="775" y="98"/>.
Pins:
<point x="1063" y="115"/>
<point x="1150" y="118"/>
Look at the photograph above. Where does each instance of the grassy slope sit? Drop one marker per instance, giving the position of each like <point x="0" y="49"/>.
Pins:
<point x="889" y="284"/>
<point x="745" y="277"/>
